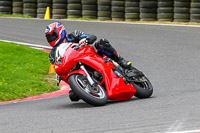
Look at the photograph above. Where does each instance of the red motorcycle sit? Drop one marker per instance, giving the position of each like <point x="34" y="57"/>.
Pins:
<point x="96" y="79"/>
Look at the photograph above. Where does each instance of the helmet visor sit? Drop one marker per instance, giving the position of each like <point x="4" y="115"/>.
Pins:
<point x="52" y="36"/>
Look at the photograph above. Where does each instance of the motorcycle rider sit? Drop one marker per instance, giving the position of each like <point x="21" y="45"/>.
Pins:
<point x="58" y="38"/>
<point x="56" y="35"/>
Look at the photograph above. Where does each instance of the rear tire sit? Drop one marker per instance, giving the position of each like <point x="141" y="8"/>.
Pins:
<point x="143" y="89"/>
<point x="80" y="85"/>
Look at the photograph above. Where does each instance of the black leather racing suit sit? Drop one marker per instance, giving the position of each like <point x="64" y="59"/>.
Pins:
<point x="102" y="46"/>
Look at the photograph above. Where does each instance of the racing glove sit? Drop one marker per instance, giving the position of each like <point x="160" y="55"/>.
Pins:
<point x="90" y="39"/>
<point x="76" y="36"/>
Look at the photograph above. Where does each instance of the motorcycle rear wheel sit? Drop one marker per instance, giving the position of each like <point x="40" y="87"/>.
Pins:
<point x="94" y="95"/>
<point x="143" y="89"/>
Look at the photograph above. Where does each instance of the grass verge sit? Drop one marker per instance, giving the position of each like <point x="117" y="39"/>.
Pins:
<point x="88" y="19"/>
<point x="24" y="72"/>
<point x="19" y="16"/>
<point x="150" y="22"/>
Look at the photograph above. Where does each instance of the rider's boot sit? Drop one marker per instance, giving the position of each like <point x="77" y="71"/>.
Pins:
<point x="73" y="96"/>
<point x="132" y="72"/>
<point x="124" y="63"/>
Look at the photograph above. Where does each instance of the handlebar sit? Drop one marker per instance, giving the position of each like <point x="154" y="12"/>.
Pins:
<point x="81" y="44"/>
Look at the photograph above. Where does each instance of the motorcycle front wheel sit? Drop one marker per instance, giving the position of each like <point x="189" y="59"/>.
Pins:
<point x="91" y="94"/>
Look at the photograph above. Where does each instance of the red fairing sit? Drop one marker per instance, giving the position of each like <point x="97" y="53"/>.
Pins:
<point x="80" y="71"/>
<point x="116" y="88"/>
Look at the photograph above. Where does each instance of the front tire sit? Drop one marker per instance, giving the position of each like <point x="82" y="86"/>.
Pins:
<point x="94" y="95"/>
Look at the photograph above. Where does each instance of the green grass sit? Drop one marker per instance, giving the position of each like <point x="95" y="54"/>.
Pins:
<point x="24" y="72"/>
<point x="88" y="19"/>
<point x="20" y="16"/>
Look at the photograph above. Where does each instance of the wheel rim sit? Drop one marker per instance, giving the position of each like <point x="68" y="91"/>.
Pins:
<point x="95" y="90"/>
<point x="143" y="85"/>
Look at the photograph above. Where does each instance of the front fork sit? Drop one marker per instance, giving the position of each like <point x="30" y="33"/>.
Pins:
<point x="88" y="75"/>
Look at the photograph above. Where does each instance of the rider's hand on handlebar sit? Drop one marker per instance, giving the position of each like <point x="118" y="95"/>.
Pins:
<point x="90" y="39"/>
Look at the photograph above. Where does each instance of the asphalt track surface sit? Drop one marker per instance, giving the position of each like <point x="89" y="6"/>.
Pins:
<point x="168" y="55"/>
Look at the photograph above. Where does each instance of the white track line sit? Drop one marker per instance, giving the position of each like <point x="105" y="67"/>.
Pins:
<point x="176" y="126"/>
<point x="29" y="44"/>
<point x="135" y="23"/>
<point x="189" y="131"/>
